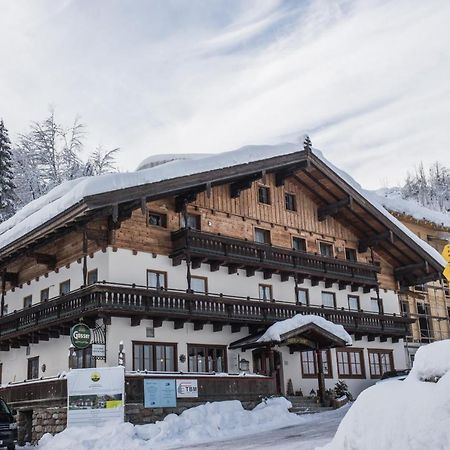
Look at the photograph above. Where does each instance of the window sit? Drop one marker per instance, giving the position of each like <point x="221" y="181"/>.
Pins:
<point x="350" y="254"/>
<point x="199" y="284"/>
<point x="92" y="277"/>
<point x="326" y="249"/>
<point x="290" y="203"/>
<point x="353" y="302"/>
<point x="33" y="368"/>
<point x="83" y="358"/>
<point x="157" y="219"/>
<point x="376" y="305"/>
<point x="156" y="279"/>
<point x="302" y="296"/>
<point x="206" y="358"/>
<point x="425" y="324"/>
<point x="45" y="294"/>
<point x="265" y="292"/>
<point x="380" y="361"/>
<point x="64" y="287"/>
<point x="27" y="301"/>
<point x="193" y="221"/>
<point x="448" y="312"/>
<point x="299" y="244"/>
<point x="329" y="299"/>
<point x="309" y="364"/>
<point x="404" y="307"/>
<point x="264" y="195"/>
<point x="159" y="357"/>
<point x="350" y="363"/>
<point x="262" y="236"/>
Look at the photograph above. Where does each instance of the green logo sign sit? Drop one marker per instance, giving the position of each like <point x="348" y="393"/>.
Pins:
<point x="80" y="335"/>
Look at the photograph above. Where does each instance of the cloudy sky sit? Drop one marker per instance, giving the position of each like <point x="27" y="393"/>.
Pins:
<point x="369" y="81"/>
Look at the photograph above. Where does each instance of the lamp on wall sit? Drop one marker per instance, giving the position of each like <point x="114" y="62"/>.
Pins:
<point x="244" y="365"/>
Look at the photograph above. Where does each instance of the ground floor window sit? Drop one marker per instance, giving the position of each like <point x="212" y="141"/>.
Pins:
<point x="83" y="358"/>
<point x="33" y="368"/>
<point x="309" y="364"/>
<point x="350" y="363"/>
<point x="154" y="357"/>
<point x="207" y="358"/>
<point x="380" y="361"/>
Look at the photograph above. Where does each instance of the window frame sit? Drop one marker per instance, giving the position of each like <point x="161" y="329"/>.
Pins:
<point x="159" y="272"/>
<point x="347" y="352"/>
<point x="62" y="284"/>
<point x="84" y="358"/>
<point x="269" y="286"/>
<point x="328" y="362"/>
<point x="293" y="197"/>
<point x="378" y="352"/>
<point x="306" y="291"/>
<point x="261" y="197"/>
<point x="207" y="347"/>
<point x="198" y="277"/>
<point x="352" y="252"/>
<point x="380" y="305"/>
<point x="334" y="299"/>
<point x="198" y="221"/>
<point x="174" y="345"/>
<point x="329" y="245"/>
<point x="41" y="299"/>
<point x="358" y="302"/>
<point x="89" y="275"/>
<point x="265" y="232"/>
<point x="162" y="217"/>
<point x="298" y="239"/>
<point x="28" y="301"/>
<point x="30" y="368"/>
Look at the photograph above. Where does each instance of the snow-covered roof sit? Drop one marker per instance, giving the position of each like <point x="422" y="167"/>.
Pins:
<point x="158" y="160"/>
<point x="69" y="194"/>
<point x="275" y="332"/>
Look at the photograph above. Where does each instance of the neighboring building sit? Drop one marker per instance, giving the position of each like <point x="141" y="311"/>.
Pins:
<point x="182" y="260"/>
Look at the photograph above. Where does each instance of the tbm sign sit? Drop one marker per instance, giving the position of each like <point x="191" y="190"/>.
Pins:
<point x="80" y="335"/>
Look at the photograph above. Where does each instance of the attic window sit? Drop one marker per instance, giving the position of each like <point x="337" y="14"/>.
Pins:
<point x="157" y="219"/>
<point x="264" y="195"/>
<point x="290" y="203"/>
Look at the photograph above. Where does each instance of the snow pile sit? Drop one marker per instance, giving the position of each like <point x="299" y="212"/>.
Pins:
<point x="204" y="423"/>
<point x="275" y="331"/>
<point x="403" y="415"/>
<point x="392" y="200"/>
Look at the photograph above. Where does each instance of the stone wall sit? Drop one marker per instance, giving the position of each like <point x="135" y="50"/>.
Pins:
<point x="48" y="420"/>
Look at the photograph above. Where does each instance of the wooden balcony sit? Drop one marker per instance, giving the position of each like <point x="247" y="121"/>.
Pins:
<point x="234" y="253"/>
<point x="54" y="317"/>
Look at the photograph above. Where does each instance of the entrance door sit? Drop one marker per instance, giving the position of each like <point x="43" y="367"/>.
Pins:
<point x="261" y="366"/>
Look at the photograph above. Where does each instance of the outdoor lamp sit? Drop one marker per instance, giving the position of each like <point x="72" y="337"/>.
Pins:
<point x="244" y="365"/>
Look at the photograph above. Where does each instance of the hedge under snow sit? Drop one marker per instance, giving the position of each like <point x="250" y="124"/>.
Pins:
<point x="413" y="414"/>
<point x="204" y="423"/>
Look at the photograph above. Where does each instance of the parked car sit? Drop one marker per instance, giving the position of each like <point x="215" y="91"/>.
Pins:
<point x="8" y="427"/>
<point x="394" y="375"/>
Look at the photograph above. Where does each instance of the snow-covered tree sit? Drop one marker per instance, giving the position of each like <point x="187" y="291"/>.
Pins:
<point x="101" y="161"/>
<point x="7" y="195"/>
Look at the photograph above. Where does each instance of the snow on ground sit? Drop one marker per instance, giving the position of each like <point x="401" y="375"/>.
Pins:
<point x="403" y="415"/>
<point x="275" y="331"/>
<point x="201" y="424"/>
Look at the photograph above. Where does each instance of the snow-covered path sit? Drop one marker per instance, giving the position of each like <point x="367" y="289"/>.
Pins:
<point x="317" y="430"/>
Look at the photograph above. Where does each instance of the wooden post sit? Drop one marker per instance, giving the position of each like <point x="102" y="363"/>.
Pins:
<point x="320" y="376"/>
<point x="2" y="307"/>
<point x="271" y="361"/>
<point x="188" y="257"/>
<point x="85" y="250"/>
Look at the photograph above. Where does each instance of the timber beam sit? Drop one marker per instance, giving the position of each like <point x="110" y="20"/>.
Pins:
<point x="333" y="208"/>
<point x="364" y="244"/>
<point x="198" y="326"/>
<point x="246" y="183"/>
<point x="135" y="321"/>
<point x="182" y="200"/>
<point x="235" y="327"/>
<point x="11" y="277"/>
<point x="4" y="347"/>
<point x="217" y="326"/>
<point x="178" y="324"/>
<point x="399" y="271"/>
<point x="45" y="259"/>
<point x="281" y="176"/>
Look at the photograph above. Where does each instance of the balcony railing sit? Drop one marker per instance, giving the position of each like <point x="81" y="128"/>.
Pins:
<point x="214" y="248"/>
<point x="107" y="299"/>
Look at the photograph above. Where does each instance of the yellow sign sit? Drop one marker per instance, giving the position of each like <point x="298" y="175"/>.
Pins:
<point x="447" y="273"/>
<point x="446" y="253"/>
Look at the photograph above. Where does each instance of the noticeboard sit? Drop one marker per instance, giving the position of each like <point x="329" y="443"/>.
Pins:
<point x="159" y="394"/>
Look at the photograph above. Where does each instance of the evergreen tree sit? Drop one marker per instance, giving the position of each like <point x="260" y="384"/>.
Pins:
<point x="7" y="195"/>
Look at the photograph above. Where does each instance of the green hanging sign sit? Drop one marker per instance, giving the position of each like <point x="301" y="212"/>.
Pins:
<point x="80" y="335"/>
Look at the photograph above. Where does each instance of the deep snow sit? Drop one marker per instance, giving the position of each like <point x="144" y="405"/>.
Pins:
<point x="403" y="415"/>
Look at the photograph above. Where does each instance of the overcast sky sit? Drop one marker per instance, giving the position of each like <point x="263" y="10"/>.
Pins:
<point x="369" y="81"/>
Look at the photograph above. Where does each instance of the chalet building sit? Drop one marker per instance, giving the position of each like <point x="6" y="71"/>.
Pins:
<point x="187" y="262"/>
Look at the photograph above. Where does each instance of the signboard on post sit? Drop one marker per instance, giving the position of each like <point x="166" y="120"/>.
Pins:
<point x="187" y="389"/>
<point x="99" y="350"/>
<point x="95" y="396"/>
<point x="159" y="394"/>
<point x="80" y="335"/>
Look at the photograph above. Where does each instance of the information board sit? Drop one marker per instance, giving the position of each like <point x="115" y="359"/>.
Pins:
<point x="159" y="394"/>
<point x="187" y="388"/>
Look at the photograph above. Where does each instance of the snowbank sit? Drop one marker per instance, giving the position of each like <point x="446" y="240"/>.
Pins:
<point x="275" y="331"/>
<point x="403" y="415"/>
<point x="204" y="423"/>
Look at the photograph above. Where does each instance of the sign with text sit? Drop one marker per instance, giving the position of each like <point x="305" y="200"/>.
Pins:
<point x="80" y="335"/>
<point x="99" y="350"/>
<point x="187" y="389"/>
<point x="159" y="394"/>
<point x="95" y="396"/>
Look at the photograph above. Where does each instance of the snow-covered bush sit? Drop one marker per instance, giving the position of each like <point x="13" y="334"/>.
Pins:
<point x="403" y="415"/>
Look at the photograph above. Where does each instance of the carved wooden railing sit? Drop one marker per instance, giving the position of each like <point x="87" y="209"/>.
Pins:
<point x="110" y="299"/>
<point x="231" y="250"/>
